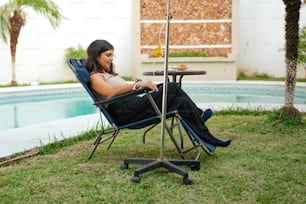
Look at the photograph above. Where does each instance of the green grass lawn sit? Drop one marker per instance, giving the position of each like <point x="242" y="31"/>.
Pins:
<point x="265" y="163"/>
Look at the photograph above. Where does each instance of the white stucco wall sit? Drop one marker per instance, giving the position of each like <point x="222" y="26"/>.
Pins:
<point x="262" y="40"/>
<point x="40" y="50"/>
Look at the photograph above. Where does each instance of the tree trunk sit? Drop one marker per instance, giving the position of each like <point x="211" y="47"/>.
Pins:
<point x="16" y="23"/>
<point x="292" y="39"/>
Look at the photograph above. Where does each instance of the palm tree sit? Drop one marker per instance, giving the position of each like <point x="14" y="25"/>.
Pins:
<point x="13" y="18"/>
<point x="292" y="39"/>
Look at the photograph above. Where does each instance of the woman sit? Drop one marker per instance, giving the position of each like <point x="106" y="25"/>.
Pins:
<point x="106" y="83"/>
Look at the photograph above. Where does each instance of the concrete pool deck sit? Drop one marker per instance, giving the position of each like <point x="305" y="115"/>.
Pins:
<point x="25" y="138"/>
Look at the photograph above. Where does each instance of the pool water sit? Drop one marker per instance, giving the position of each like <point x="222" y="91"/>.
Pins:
<point x="18" y="110"/>
<point x="242" y="94"/>
<point x="39" y="107"/>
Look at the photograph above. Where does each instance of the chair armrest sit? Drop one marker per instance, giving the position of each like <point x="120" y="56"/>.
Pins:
<point x="122" y="96"/>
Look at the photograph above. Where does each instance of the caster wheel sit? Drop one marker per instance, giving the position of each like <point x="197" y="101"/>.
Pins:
<point x="195" y="167"/>
<point x="136" y="179"/>
<point x="187" y="181"/>
<point x="124" y="166"/>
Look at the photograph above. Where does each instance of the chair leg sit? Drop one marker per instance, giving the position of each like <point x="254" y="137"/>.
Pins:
<point x="170" y="133"/>
<point x="146" y="131"/>
<point x="96" y="143"/>
<point x="180" y="131"/>
<point x="114" y="135"/>
<point x="180" y="149"/>
<point x="99" y="140"/>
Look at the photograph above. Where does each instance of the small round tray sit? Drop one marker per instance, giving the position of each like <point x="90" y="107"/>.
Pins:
<point x="177" y="67"/>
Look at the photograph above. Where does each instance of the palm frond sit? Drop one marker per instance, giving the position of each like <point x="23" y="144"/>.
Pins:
<point x="46" y="8"/>
<point x="4" y="23"/>
<point x="302" y="46"/>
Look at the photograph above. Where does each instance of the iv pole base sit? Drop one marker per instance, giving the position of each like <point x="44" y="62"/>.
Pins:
<point x="152" y="164"/>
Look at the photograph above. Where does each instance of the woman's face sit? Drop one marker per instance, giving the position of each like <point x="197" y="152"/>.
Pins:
<point x="106" y="59"/>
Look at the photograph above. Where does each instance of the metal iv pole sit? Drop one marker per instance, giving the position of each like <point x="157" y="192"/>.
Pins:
<point x="151" y="164"/>
<point x="165" y="86"/>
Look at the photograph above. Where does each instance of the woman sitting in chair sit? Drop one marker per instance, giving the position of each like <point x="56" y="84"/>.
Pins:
<point x="106" y="83"/>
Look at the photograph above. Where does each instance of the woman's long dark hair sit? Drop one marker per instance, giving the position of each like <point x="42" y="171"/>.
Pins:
<point x="93" y="52"/>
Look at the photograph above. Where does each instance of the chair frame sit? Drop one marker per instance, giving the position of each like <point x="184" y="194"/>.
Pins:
<point x="114" y="129"/>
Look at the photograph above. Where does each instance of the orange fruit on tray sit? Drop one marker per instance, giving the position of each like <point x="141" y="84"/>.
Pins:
<point x="182" y="65"/>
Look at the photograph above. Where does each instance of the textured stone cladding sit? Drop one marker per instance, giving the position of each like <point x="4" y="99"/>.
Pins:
<point x="204" y="24"/>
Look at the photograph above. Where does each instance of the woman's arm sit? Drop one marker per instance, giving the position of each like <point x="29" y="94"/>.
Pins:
<point x="100" y="86"/>
<point x="149" y="84"/>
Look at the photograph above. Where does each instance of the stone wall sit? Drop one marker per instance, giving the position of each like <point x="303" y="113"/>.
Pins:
<point x="196" y="26"/>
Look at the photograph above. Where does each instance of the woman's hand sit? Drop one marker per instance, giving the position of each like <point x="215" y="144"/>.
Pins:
<point x="148" y="84"/>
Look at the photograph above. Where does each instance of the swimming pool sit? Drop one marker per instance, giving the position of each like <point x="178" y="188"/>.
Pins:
<point x="260" y="93"/>
<point x="39" y="106"/>
<point x="33" y="106"/>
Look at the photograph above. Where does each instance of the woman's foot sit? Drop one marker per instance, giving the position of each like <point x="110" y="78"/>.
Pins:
<point x="207" y="114"/>
<point x="223" y="143"/>
<point x="217" y="142"/>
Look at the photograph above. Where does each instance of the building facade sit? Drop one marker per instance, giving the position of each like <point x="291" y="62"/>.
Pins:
<point x="209" y="27"/>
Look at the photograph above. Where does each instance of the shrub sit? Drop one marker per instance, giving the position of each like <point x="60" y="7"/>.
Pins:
<point x="78" y="52"/>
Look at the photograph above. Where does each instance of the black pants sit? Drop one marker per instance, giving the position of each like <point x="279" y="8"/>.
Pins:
<point x="137" y="108"/>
